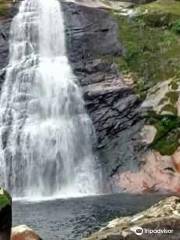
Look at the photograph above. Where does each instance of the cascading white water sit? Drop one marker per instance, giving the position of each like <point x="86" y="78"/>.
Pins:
<point x="45" y="134"/>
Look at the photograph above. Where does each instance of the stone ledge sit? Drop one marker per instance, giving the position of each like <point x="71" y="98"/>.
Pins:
<point x="163" y="215"/>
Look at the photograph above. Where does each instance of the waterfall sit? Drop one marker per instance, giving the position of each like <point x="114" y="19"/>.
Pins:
<point x="45" y="133"/>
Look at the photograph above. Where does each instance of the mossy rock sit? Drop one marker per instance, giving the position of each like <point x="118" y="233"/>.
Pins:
<point x="5" y="215"/>
<point x="167" y="137"/>
<point x="5" y="198"/>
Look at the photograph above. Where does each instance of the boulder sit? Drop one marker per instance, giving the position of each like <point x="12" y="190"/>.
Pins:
<point x="5" y="215"/>
<point x="23" y="232"/>
<point x="161" y="221"/>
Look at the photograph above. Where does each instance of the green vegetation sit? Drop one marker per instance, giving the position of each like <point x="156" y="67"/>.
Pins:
<point x="168" y="132"/>
<point x="5" y="198"/>
<point x="171" y="7"/>
<point x="4" y="7"/>
<point x="173" y="97"/>
<point x="174" y="84"/>
<point x="170" y="108"/>
<point x="151" y="42"/>
<point x="176" y="26"/>
<point x="152" y="54"/>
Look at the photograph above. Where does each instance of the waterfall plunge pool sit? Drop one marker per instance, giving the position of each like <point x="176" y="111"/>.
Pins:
<point x="74" y="218"/>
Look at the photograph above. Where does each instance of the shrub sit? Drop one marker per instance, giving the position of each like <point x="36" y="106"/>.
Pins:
<point x="176" y="26"/>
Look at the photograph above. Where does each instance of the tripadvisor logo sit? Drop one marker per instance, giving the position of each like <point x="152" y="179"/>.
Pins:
<point x="139" y="231"/>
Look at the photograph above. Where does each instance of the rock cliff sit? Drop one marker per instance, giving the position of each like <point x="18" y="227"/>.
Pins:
<point x="92" y="37"/>
<point x="126" y="58"/>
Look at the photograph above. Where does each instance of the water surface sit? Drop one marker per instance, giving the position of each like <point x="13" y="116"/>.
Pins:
<point x="71" y="219"/>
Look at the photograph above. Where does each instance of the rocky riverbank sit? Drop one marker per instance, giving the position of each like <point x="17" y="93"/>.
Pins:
<point x="161" y="221"/>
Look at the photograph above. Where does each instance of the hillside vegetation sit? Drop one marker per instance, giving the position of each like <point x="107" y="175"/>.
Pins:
<point x="4" y="7"/>
<point x="151" y="42"/>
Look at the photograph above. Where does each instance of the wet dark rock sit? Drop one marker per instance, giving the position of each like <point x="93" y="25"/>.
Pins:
<point x="5" y="215"/>
<point x="113" y="107"/>
<point x="4" y="36"/>
<point x="90" y="32"/>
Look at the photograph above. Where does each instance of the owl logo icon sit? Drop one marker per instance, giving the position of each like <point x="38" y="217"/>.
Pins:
<point x="137" y="230"/>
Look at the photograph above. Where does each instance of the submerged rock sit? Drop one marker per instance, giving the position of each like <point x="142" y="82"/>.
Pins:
<point x="161" y="221"/>
<point x="23" y="232"/>
<point x="5" y="215"/>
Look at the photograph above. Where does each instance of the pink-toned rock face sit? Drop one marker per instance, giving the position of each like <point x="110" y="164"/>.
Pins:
<point x="23" y="233"/>
<point x="176" y="160"/>
<point x="157" y="173"/>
